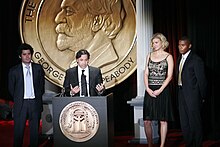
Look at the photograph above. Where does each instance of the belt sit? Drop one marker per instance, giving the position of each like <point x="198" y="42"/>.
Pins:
<point x="29" y="99"/>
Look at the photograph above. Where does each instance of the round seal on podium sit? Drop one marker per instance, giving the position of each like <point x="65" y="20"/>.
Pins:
<point x="79" y="121"/>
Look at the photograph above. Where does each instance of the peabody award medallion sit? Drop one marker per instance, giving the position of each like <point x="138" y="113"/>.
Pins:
<point x="79" y="121"/>
<point x="58" y="29"/>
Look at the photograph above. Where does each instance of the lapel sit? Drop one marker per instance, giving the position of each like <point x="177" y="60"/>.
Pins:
<point x="90" y="74"/>
<point x="33" y="73"/>
<point x="21" y="74"/>
<point x="90" y="78"/>
<point x="75" y="72"/>
<point x="34" y="77"/>
<point x="187" y="61"/>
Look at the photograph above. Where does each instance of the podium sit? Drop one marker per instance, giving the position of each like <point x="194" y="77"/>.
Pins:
<point x="83" y="121"/>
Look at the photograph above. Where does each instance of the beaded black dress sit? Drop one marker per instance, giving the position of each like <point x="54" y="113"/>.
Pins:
<point x="159" y="108"/>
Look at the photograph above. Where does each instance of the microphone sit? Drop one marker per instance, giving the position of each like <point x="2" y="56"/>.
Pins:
<point x="62" y="92"/>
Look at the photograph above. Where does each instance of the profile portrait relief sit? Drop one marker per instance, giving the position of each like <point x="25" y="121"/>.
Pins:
<point x="105" y="28"/>
<point x="92" y="25"/>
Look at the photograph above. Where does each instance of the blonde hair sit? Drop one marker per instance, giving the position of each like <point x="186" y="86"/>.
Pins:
<point x="163" y="39"/>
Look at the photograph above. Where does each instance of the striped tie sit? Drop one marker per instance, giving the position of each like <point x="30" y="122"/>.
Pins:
<point x="28" y="82"/>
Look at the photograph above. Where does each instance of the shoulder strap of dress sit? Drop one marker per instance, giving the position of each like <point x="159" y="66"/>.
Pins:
<point x="167" y="56"/>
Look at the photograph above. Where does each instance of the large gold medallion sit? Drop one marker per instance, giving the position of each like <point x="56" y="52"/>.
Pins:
<point x="58" y="29"/>
<point x="79" y="121"/>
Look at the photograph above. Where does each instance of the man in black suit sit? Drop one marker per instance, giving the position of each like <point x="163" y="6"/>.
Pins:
<point x="192" y="87"/>
<point x="26" y="86"/>
<point x="73" y="82"/>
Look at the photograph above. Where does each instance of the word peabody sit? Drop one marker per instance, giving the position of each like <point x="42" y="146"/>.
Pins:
<point x="121" y="70"/>
<point x="60" y="76"/>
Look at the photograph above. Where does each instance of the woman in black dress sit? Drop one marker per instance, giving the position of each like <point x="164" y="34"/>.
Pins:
<point x="157" y="99"/>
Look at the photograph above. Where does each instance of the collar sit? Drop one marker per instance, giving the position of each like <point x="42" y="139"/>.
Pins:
<point x="86" y="72"/>
<point x="24" y="65"/>
<point x="186" y="54"/>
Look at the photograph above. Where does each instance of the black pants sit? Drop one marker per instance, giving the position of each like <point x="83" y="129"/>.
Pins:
<point x="191" y="122"/>
<point x="30" y="112"/>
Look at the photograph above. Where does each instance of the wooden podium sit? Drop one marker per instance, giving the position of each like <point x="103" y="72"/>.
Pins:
<point x="71" y="121"/>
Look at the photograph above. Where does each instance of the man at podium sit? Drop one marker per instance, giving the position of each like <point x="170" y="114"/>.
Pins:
<point x="83" y="80"/>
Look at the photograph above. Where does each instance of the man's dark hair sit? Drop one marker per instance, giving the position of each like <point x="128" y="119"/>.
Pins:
<point x="186" y="38"/>
<point x="82" y="52"/>
<point x="25" y="46"/>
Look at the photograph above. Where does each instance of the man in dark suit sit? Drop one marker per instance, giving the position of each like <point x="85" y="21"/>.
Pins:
<point x="192" y="87"/>
<point x="26" y="86"/>
<point x="74" y="80"/>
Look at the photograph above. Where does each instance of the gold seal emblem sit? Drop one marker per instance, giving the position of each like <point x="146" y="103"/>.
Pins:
<point x="58" y="29"/>
<point x="79" y="121"/>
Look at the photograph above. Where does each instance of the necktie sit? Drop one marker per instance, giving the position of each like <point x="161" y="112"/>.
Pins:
<point x="180" y="72"/>
<point x="28" y="82"/>
<point x="83" y="84"/>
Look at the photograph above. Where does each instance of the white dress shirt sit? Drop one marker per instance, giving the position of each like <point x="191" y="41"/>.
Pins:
<point x="32" y="85"/>
<point x="86" y="73"/>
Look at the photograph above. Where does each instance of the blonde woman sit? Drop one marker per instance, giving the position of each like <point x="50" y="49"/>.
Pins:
<point x="157" y="99"/>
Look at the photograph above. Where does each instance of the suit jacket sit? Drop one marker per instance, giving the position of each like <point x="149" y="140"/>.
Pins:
<point x="16" y="86"/>
<point x="95" y="77"/>
<point x="194" y="83"/>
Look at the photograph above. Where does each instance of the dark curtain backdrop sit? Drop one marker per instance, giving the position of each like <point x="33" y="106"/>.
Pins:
<point x="200" y="21"/>
<point x="197" y="19"/>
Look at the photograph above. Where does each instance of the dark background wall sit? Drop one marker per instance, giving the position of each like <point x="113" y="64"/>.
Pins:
<point x="197" y="19"/>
